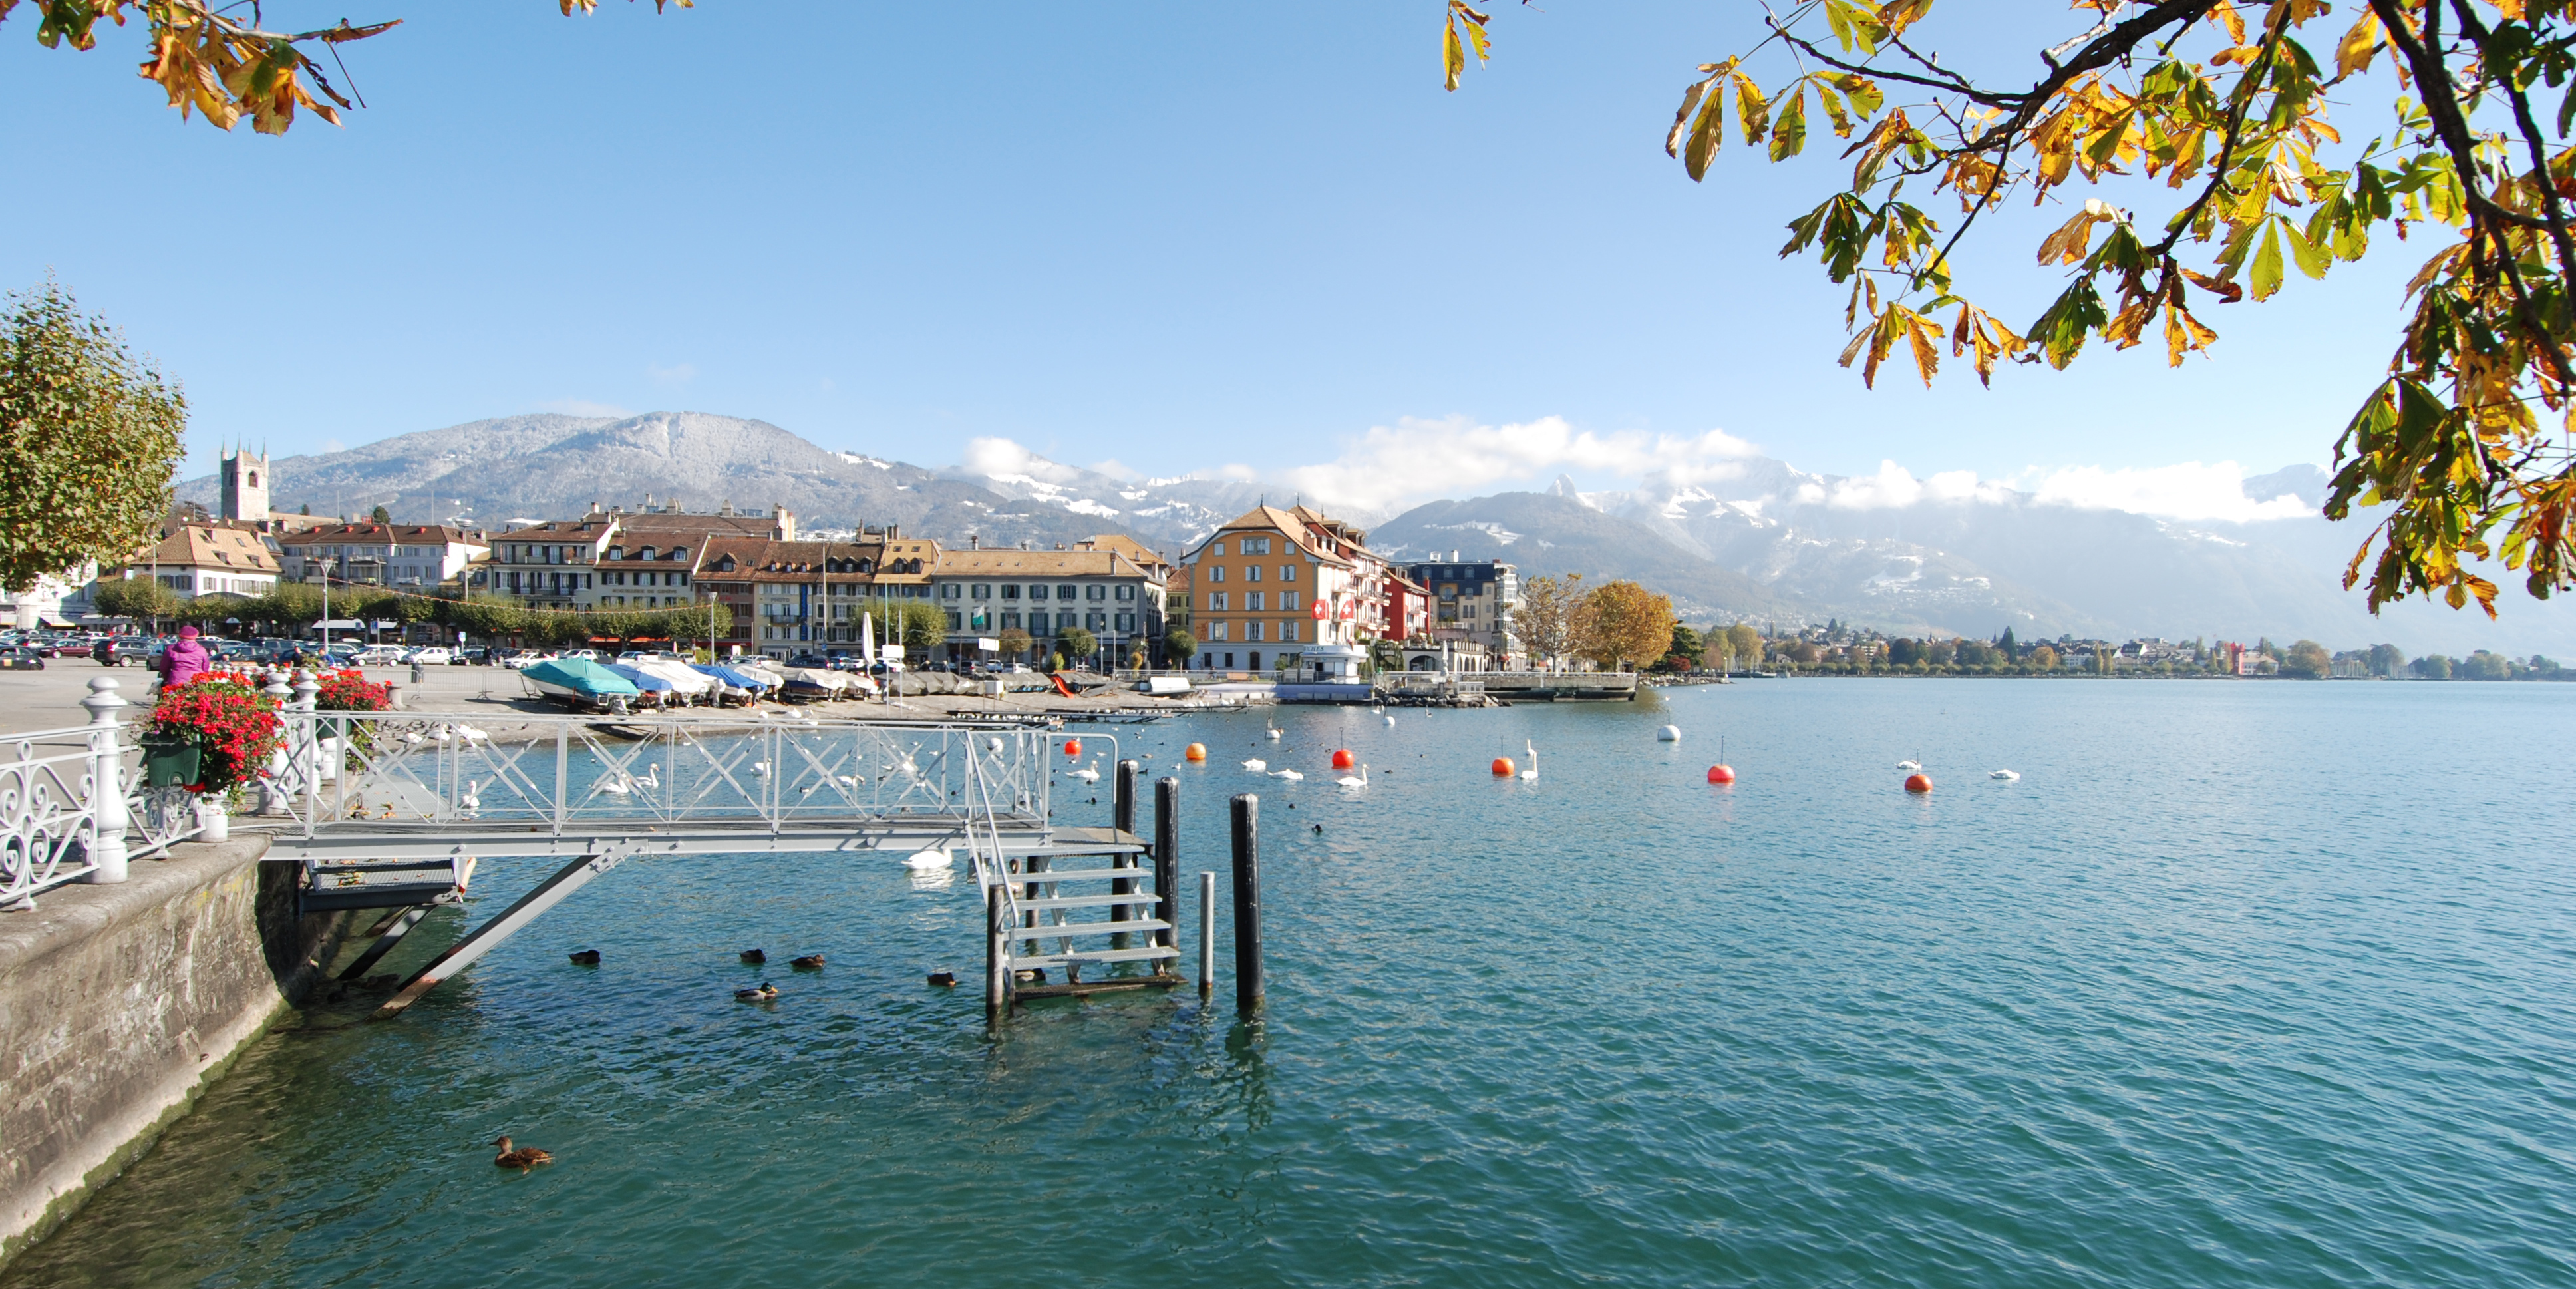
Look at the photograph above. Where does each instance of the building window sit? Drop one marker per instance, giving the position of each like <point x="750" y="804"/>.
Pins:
<point x="1256" y="545"/>
<point x="1010" y="619"/>
<point x="1252" y="601"/>
<point x="1096" y="592"/>
<point x="1216" y="572"/>
<point x="1063" y="621"/>
<point x="1251" y="630"/>
<point x="1126" y="590"/>
<point x="951" y="591"/>
<point x="1216" y="601"/>
<point x="1127" y="622"/>
<point x="1216" y="548"/>
<point x="1011" y="591"/>
<point x="1252" y="573"/>
<point x="954" y="622"/>
<point x="1038" y="592"/>
<point x="1287" y="572"/>
<point x="1287" y="599"/>
<point x="1288" y="630"/>
<point x="1216" y="631"/>
<point x="1066" y="592"/>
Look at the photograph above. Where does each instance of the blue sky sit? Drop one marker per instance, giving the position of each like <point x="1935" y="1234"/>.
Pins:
<point x="1176" y="237"/>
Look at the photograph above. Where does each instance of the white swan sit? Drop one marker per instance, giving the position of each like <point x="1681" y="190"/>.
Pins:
<point x="760" y="768"/>
<point x="1089" y="773"/>
<point x="927" y="861"/>
<point x="652" y="777"/>
<point x="1532" y="749"/>
<point x="1274" y="731"/>
<point x="2005" y="774"/>
<point x="470" y="804"/>
<point x="1354" y="781"/>
<point x="1390" y="720"/>
<point x="1290" y="775"/>
<point x="1256" y="765"/>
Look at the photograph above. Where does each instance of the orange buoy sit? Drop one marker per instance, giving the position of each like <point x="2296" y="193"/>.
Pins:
<point x="1194" y="752"/>
<point x="1721" y="774"/>
<point x="1342" y="758"/>
<point x="1918" y="783"/>
<point x="1073" y="747"/>
<point x="1503" y="767"/>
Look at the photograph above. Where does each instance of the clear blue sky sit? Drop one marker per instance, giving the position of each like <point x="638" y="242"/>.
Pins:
<point x="1175" y="235"/>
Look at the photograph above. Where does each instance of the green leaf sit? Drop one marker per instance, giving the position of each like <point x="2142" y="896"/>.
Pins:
<point x="2267" y="264"/>
<point x="1864" y="93"/>
<point x="1751" y="110"/>
<point x="1789" y="132"/>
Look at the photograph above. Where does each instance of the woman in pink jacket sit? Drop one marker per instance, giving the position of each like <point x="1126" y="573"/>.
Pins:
<point x="184" y="660"/>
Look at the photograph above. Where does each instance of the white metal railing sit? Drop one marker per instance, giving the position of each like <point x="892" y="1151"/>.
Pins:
<point x="58" y="826"/>
<point x="359" y="771"/>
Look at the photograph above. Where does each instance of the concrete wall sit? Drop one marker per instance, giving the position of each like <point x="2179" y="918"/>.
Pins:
<point x="118" y="1004"/>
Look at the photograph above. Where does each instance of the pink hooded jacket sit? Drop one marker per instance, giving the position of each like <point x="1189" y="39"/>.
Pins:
<point x="184" y="660"/>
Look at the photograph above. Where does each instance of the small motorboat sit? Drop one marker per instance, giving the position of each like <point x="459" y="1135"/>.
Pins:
<point x="580" y="682"/>
<point x="2006" y="775"/>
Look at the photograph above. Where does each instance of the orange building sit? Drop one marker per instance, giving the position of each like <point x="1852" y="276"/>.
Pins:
<point x="1274" y="582"/>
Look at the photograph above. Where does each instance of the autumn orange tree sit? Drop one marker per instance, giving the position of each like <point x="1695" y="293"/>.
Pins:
<point x="1625" y="624"/>
<point x="213" y="60"/>
<point x="2461" y="455"/>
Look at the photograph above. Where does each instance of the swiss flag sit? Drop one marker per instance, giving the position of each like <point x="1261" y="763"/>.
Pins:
<point x="1322" y="610"/>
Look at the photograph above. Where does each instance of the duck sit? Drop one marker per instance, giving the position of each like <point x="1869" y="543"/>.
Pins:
<point x="1319" y="830"/>
<point x="523" y="1158"/>
<point x="1257" y="765"/>
<point x="1290" y="775"/>
<point x="754" y="956"/>
<point x="763" y="994"/>
<point x="810" y="962"/>
<point x="944" y="979"/>
<point x="2004" y="774"/>
<point x="1356" y="781"/>
<point x="585" y="957"/>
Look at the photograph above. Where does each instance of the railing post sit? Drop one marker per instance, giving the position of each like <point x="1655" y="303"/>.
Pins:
<point x="996" y="956"/>
<point x="1247" y="904"/>
<point x="1122" y="812"/>
<point x="1207" y="933"/>
<point x="274" y="799"/>
<point x="1167" y="860"/>
<point x="308" y="751"/>
<point x="107" y="783"/>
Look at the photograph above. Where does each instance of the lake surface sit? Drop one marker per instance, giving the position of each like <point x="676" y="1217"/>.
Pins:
<point x="2241" y="984"/>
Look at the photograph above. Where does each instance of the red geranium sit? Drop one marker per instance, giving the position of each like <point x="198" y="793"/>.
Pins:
<point x="233" y="724"/>
<point x="348" y="690"/>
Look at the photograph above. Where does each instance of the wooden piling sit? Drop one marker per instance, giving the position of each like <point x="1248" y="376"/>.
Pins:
<point x="1247" y="904"/>
<point x="994" y="984"/>
<point x="1207" y="933"/>
<point x="1122" y="813"/>
<point x="1167" y="860"/>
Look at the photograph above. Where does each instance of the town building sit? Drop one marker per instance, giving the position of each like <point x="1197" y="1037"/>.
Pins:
<point x="1273" y="582"/>
<point x="418" y="558"/>
<point x="790" y="598"/>
<point x="208" y="559"/>
<point x="56" y="601"/>
<point x="615" y="558"/>
<point x="1472" y="602"/>
<point x="985" y="591"/>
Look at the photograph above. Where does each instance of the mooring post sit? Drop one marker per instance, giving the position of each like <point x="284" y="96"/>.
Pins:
<point x="1207" y="933"/>
<point x="1247" y="904"/>
<point x="1167" y="860"/>
<point x="993" y="973"/>
<point x="1122" y="812"/>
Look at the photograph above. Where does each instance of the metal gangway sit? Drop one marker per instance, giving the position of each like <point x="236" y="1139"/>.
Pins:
<point x="394" y="810"/>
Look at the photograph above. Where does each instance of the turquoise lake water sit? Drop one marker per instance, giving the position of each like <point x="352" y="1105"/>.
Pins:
<point x="2241" y="984"/>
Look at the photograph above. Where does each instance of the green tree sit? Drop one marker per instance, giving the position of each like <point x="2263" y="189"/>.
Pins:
<point x="915" y="625"/>
<point x="2432" y="666"/>
<point x="1179" y="647"/>
<point x="1015" y="643"/>
<point x="1686" y="646"/>
<point x="89" y="436"/>
<point x="2386" y="660"/>
<point x="2308" y="660"/>
<point x="2456" y="455"/>
<point x="1746" y="644"/>
<point x="485" y="617"/>
<point x="138" y="598"/>
<point x="2483" y="665"/>
<point x="381" y="515"/>
<point x="1076" y="644"/>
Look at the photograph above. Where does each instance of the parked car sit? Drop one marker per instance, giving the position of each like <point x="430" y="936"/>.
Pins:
<point x="137" y="648"/>
<point x="432" y="656"/>
<point x="470" y="658"/>
<point x="810" y="660"/>
<point x="21" y="658"/>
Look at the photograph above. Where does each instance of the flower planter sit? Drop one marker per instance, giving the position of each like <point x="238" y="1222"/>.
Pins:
<point x="171" y="762"/>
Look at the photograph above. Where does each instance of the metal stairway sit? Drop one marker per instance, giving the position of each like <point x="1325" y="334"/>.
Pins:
<point x="1049" y="917"/>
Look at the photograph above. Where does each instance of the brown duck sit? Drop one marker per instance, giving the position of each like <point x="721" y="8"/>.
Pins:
<point x="810" y="962"/>
<point x="523" y="1159"/>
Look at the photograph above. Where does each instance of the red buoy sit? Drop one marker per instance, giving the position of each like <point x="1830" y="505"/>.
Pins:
<point x="1503" y="767"/>
<point x="1721" y="774"/>
<point x="1342" y="758"/>
<point x="1194" y="752"/>
<point x="1918" y="783"/>
<point x="1073" y="747"/>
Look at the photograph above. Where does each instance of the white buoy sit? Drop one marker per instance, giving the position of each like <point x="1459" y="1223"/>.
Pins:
<point x="1669" y="734"/>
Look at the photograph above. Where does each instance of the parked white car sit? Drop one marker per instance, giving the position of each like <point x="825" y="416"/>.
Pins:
<point x="377" y="656"/>
<point x="433" y="656"/>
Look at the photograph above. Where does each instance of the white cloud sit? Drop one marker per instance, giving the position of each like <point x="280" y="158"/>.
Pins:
<point x="1116" y="469"/>
<point x="996" y="456"/>
<point x="1416" y="459"/>
<point x="584" y="407"/>
<point x="1895" y="487"/>
<point x="334" y="445"/>
<point x="2187" y="491"/>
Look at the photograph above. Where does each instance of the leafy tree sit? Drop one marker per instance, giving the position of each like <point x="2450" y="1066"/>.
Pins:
<point x="1179" y="646"/>
<point x="917" y="626"/>
<point x="381" y="515"/>
<point x="1974" y="653"/>
<point x="2432" y="666"/>
<point x="1076" y="643"/>
<point x="2228" y="111"/>
<point x="1904" y="651"/>
<point x="2385" y="660"/>
<point x="1805" y="653"/>
<point x="139" y="598"/>
<point x="1548" y="617"/>
<point x="89" y="437"/>
<point x="2309" y="660"/>
<point x="486" y="617"/>
<point x="2007" y="646"/>
<point x="2043" y="658"/>
<point x="1624" y="623"/>
<point x="1014" y="642"/>
<point x="1941" y="653"/>
<point x="1746" y="643"/>
<point x="1687" y="646"/>
<point x="2483" y="665"/>
<point x="305" y="509"/>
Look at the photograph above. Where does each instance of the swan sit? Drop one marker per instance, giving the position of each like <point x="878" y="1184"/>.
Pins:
<point x="616" y="785"/>
<point x="1275" y="731"/>
<point x="1532" y="749"/>
<point x="652" y="777"/>
<point x="1355" y="781"/>
<point x="470" y="804"/>
<point x="1290" y="775"/>
<point x="1390" y="721"/>
<point x="1909" y="765"/>
<point x="1257" y="765"/>
<point x="1089" y="773"/>
<point x="927" y="861"/>
<point x="2005" y="774"/>
<point x="760" y="768"/>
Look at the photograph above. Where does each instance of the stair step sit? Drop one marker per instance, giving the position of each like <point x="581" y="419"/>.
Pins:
<point x="1085" y="875"/>
<point x="1086" y="928"/>
<point x="1086" y="901"/>
<point x="1031" y="962"/>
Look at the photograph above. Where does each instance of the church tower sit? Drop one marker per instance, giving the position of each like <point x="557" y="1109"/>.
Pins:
<point x="245" y="486"/>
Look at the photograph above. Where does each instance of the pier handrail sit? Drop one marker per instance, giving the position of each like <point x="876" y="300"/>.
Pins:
<point x="73" y="806"/>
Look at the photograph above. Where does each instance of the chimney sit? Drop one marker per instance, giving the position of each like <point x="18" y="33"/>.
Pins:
<point x="727" y="508"/>
<point x="974" y="541"/>
<point x="594" y="507"/>
<point x="785" y="521"/>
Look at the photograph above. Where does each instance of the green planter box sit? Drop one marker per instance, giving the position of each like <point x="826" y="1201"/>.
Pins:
<point x="170" y="762"/>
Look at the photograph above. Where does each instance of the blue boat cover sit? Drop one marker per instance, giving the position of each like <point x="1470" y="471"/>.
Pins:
<point x="729" y="676"/>
<point x="582" y="676"/>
